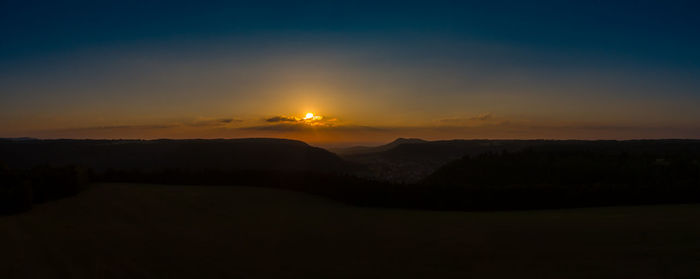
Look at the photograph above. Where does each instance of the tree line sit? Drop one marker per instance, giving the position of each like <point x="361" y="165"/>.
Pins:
<point x="556" y="175"/>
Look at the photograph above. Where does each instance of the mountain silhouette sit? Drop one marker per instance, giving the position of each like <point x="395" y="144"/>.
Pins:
<point x="410" y="160"/>
<point x="572" y="173"/>
<point x="357" y="150"/>
<point x="219" y="154"/>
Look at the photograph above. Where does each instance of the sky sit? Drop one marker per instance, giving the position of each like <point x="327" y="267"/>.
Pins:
<point x="370" y="71"/>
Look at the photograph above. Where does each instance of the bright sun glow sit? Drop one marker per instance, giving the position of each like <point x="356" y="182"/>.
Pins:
<point x="309" y="116"/>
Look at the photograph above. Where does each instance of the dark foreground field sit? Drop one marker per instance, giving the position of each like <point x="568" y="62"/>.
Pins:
<point x="154" y="231"/>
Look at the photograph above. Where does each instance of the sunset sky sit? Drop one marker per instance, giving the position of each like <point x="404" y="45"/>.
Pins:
<point x="369" y="71"/>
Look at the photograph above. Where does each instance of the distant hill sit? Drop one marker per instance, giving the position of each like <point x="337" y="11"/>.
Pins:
<point x="358" y="150"/>
<point x="570" y="162"/>
<point x="572" y="173"/>
<point x="220" y="154"/>
<point x="17" y="139"/>
<point x="409" y="160"/>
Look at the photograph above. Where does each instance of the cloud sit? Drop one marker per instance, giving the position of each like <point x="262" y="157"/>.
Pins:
<point x="281" y="118"/>
<point x="211" y="122"/>
<point x="482" y="117"/>
<point x="289" y="127"/>
<point x="120" y="127"/>
<point x="229" y="120"/>
<point x="283" y="127"/>
<point x="201" y="122"/>
<point x="315" y="121"/>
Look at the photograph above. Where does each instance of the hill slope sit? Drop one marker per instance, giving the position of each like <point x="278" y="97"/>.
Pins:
<point x="359" y="150"/>
<point x="409" y="161"/>
<point x="156" y="231"/>
<point x="232" y="154"/>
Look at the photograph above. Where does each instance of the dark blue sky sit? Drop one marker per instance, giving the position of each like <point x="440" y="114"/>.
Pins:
<point x="558" y="52"/>
<point x="658" y="31"/>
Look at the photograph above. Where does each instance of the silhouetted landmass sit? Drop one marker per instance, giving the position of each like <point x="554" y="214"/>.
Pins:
<point x="43" y="170"/>
<point x="538" y="174"/>
<point x="411" y="160"/>
<point x="120" y="230"/>
<point x="20" y="189"/>
<point x="147" y="155"/>
<point x="343" y="187"/>
<point x="17" y="139"/>
<point x="15" y="192"/>
<point x="569" y="173"/>
<point x="359" y="150"/>
<point x="499" y="174"/>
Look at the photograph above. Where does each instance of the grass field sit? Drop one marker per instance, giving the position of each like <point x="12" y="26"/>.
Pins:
<point x="156" y="231"/>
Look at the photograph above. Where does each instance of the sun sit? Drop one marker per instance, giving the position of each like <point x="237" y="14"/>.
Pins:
<point x="309" y="116"/>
